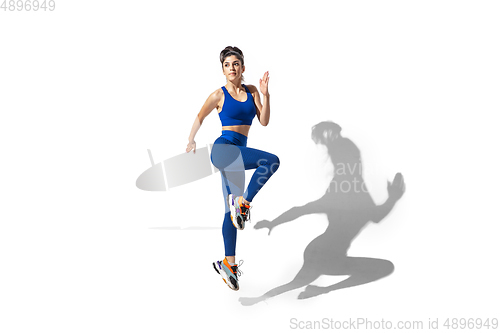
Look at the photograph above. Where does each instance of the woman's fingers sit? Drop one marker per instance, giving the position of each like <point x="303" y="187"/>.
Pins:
<point x="191" y="146"/>
<point x="266" y="77"/>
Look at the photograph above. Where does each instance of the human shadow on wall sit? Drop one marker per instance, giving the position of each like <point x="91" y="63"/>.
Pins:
<point x="349" y="207"/>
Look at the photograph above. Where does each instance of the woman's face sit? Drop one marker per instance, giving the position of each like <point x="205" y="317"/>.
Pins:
<point x="232" y="68"/>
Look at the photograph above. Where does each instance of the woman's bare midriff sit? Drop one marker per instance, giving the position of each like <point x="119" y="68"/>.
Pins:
<point x="242" y="129"/>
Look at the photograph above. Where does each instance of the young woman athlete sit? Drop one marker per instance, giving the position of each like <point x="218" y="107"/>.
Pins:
<point x="237" y="105"/>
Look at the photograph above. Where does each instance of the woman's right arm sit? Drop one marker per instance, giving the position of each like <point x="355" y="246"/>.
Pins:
<point x="210" y="104"/>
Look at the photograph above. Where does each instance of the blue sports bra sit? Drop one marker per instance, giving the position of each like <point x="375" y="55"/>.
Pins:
<point x="235" y="112"/>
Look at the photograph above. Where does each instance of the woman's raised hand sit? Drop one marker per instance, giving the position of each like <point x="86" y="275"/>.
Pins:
<point x="264" y="82"/>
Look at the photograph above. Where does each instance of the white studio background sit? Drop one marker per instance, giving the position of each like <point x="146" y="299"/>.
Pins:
<point x="86" y="89"/>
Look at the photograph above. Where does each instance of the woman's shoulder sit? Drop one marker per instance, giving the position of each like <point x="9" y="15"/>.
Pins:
<point x="251" y="88"/>
<point x="218" y="93"/>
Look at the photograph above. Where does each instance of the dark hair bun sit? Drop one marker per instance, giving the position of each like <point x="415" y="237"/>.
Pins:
<point x="229" y="51"/>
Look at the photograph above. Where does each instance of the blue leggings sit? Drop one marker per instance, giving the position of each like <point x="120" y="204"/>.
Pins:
<point x="232" y="157"/>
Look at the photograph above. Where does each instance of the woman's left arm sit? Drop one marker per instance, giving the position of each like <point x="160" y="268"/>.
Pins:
<point x="263" y="109"/>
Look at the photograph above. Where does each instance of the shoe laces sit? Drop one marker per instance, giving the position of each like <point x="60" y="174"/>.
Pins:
<point x="245" y="211"/>
<point x="236" y="268"/>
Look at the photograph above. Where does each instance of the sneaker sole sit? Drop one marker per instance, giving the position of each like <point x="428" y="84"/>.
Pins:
<point x="224" y="276"/>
